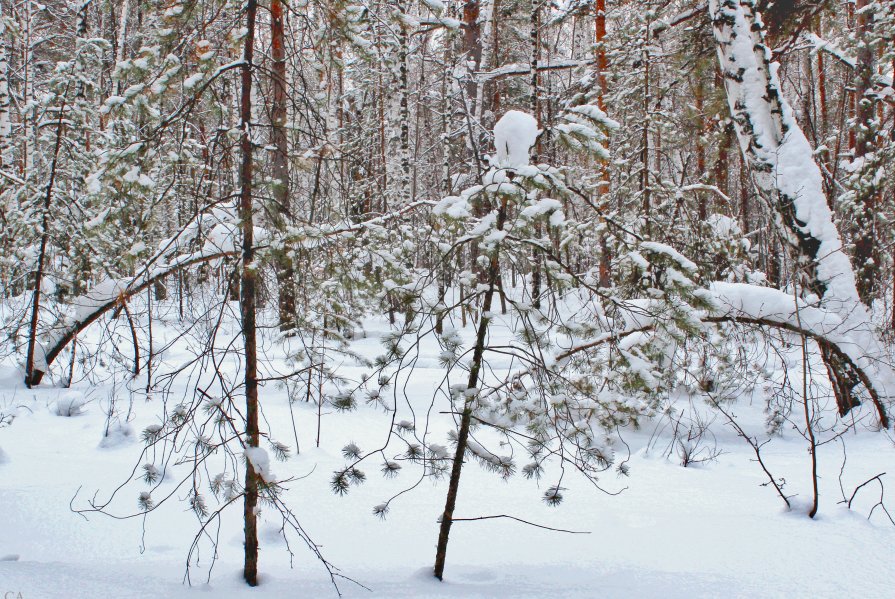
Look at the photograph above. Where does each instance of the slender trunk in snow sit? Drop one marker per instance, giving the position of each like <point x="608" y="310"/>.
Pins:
<point x="789" y="181"/>
<point x="36" y="364"/>
<point x="81" y="29"/>
<point x="702" y="207"/>
<point x="475" y="369"/>
<point x="248" y="281"/>
<point x="822" y="83"/>
<point x="852" y="96"/>
<point x="483" y="102"/>
<point x="121" y="41"/>
<point x="647" y="207"/>
<point x="472" y="52"/>
<point x="404" y="106"/>
<point x="495" y="55"/>
<point x="28" y="131"/>
<point x="472" y="46"/>
<point x="602" y="88"/>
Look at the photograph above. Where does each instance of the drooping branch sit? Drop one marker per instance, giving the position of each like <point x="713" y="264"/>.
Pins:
<point x="95" y="303"/>
<point x="516" y="69"/>
<point x="663" y="25"/>
<point x="91" y="306"/>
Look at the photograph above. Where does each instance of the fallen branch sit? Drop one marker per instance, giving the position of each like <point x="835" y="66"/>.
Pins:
<point x="571" y="532"/>
<point x="756" y="448"/>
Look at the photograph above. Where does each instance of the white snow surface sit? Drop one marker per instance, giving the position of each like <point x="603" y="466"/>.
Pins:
<point x="710" y="530"/>
<point x="514" y="135"/>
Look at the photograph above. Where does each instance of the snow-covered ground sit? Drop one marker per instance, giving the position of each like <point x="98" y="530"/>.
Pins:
<point x="708" y="530"/>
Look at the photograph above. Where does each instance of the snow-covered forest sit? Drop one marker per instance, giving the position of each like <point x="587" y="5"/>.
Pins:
<point x="446" y="298"/>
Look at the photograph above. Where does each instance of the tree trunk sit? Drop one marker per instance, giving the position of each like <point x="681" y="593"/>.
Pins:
<point x="605" y="268"/>
<point x="472" y="46"/>
<point x="281" y="209"/>
<point x="34" y="370"/>
<point x="5" y="102"/>
<point x="535" y="105"/>
<point x="702" y="208"/>
<point x="466" y="416"/>
<point x="247" y="299"/>
<point x="866" y="194"/>
<point x="404" y="113"/>
<point x="647" y="207"/>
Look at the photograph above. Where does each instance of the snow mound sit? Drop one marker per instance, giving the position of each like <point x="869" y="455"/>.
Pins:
<point x="70" y="404"/>
<point x="118" y="435"/>
<point x="3" y="457"/>
<point x="514" y="135"/>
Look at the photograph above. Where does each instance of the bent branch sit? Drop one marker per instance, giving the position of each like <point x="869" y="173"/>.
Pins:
<point x="101" y="305"/>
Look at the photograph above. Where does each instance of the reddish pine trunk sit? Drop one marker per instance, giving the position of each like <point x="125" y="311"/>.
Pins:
<point x="603" y="189"/>
<point x="280" y="168"/>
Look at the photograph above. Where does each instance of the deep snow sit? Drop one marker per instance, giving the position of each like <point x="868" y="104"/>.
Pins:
<point x="707" y="530"/>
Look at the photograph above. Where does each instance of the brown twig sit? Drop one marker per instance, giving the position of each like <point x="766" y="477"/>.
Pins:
<point x="571" y="532"/>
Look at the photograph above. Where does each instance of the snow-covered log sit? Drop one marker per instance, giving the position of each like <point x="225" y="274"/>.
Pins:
<point x="788" y="179"/>
<point x="768" y="307"/>
<point x="521" y="68"/>
<point x="106" y="296"/>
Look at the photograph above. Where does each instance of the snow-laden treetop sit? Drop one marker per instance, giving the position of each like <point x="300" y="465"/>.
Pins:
<point x="514" y="135"/>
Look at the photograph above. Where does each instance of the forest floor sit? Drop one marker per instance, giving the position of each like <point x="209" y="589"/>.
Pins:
<point x="713" y="529"/>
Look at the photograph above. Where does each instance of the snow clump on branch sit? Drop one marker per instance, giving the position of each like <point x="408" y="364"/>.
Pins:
<point x="514" y="135"/>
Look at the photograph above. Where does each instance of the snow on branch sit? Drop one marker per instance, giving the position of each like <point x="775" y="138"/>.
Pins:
<point x="664" y="24"/>
<point x="207" y="237"/>
<point x="765" y="307"/>
<point x="309" y="237"/>
<point x="822" y="45"/>
<point x="524" y="68"/>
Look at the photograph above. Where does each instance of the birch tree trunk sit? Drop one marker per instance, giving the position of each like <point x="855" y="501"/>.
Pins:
<point x="404" y="108"/>
<point x="789" y="181"/>
<point x="5" y="118"/>
<point x="535" y="107"/>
